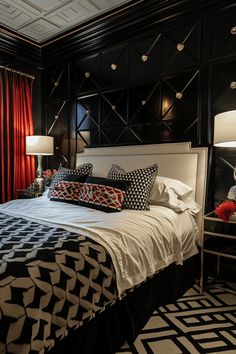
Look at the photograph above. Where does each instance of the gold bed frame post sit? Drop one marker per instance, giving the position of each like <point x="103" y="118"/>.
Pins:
<point x="202" y="256"/>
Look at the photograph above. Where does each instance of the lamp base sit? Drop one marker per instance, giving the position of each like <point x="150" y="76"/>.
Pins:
<point x="39" y="184"/>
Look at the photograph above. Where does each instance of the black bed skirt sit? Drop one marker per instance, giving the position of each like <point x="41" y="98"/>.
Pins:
<point x="123" y="321"/>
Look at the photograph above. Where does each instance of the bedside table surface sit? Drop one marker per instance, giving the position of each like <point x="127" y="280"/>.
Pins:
<point x="33" y="192"/>
<point x="213" y="217"/>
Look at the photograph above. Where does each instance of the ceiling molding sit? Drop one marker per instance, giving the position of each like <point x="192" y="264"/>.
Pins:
<point x="92" y="22"/>
<point x="135" y="18"/>
<point x="13" y="47"/>
<point x="132" y="21"/>
<point x="19" y="37"/>
<point x="42" y="20"/>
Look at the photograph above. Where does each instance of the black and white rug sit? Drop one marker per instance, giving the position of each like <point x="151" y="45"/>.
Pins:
<point x="196" y="324"/>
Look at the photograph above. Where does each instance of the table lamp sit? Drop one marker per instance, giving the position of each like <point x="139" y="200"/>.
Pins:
<point x="39" y="145"/>
<point x="225" y="136"/>
<point x="225" y="129"/>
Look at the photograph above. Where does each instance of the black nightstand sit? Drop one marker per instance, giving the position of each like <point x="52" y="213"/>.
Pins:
<point x="28" y="193"/>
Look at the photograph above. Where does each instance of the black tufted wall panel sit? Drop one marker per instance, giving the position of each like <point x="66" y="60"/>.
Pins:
<point x="163" y="85"/>
<point x="140" y="59"/>
<point x="223" y="86"/>
<point x="164" y="110"/>
<point x="223" y="98"/>
<point x="182" y="46"/>
<point x="60" y="123"/>
<point x="57" y="82"/>
<point x="146" y="90"/>
<point x="223" y="91"/>
<point x="223" y="41"/>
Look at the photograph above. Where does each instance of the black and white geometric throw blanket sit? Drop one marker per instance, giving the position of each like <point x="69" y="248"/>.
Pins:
<point x="51" y="282"/>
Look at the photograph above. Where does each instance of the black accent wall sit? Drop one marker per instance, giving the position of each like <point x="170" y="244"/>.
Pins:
<point x="156" y="72"/>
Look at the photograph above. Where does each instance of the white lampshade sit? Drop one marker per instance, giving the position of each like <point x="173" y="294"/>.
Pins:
<point x="225" y="129"/>
<point x="39" y="145"/>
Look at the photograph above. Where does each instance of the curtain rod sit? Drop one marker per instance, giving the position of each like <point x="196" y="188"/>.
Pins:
<point x="17" y="72"/>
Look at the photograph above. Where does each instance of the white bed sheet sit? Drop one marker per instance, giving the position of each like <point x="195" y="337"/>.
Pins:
<point x="139" y="242"/>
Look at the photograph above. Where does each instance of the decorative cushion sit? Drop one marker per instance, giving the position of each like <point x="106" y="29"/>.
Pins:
<point x="63" y="173"/>
<point x="103" y="194"/>
<point x="141" y="180"/>
<point x="67" y="192"/>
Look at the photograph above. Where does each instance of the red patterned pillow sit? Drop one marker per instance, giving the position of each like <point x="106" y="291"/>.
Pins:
<point x="101" y="196"/>
<point x="67" y="192"/>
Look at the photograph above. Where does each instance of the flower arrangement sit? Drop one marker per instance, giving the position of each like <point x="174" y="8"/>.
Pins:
<point x="226" y="209"/>
<point x="48" y="175"/>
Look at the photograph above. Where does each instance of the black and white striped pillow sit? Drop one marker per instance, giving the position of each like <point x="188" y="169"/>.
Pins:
<point x="142" y="179"/>
<point x="63" y="174"/>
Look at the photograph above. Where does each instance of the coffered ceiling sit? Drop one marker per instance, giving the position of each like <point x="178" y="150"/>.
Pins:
<point x="40" y="20"/>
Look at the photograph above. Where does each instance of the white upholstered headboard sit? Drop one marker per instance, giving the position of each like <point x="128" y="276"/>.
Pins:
<point x="175" y="160"/>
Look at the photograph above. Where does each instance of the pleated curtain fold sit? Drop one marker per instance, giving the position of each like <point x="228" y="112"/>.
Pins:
<point x="17" y="170"/>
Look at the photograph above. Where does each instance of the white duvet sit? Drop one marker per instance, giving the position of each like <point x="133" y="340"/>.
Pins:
<point x="139" y="242"/>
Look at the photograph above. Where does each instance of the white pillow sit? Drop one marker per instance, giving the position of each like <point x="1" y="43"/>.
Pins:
<point x="192" y="206"/>
<point x="181" y="189"/>
<point x="166" y="196"/>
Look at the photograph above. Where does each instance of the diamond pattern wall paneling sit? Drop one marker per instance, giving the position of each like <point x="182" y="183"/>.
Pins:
<point x="61" y="125"/>
<point x="126" y="94"/>
<point x="88" y="74"/>
<point x="223" y="98"/>
<point x="223" y="87"/>
<point x="145" y="57"/>
<point x="166" y="110"/>
<point x="57" y="82"/>
<point x="183" y="112"/>
<point x="113" y="68"/>
<point x="154" y="87"/>
<point x="223" y="34"/>
<point x="88" y="121"/>
<point x="182" y="47"/>
<point x="114" y="117"/>
<point x="140" y="59"/>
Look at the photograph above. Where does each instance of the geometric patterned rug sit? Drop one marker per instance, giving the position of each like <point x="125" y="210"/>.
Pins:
<point x="195" y="324"/>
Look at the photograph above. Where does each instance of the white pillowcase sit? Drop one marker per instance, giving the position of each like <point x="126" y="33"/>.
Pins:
<point x="192" y="206"/>
<point x="182" y="190"/>
<point x="168" y="198"/>
<point x="173" y="194"/>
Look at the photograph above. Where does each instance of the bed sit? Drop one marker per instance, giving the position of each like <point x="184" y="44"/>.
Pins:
<point x="64" y="287"/>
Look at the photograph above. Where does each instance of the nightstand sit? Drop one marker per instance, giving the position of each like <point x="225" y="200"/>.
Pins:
<point x="28" y="193"/>
<point x="219" y="239"/>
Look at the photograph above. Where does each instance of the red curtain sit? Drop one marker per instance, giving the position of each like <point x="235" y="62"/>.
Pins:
<point x="16" y="168"/>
